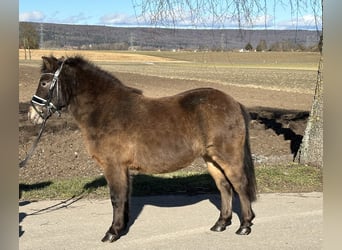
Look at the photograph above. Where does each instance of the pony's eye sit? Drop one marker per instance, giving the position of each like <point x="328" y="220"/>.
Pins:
<point x="43" y="84"/>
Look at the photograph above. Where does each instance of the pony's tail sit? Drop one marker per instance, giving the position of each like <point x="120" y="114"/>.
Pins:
<point x="248" y="161"/>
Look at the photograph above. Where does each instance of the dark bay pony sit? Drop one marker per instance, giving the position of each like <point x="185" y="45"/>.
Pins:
<point x="124" y="130"/>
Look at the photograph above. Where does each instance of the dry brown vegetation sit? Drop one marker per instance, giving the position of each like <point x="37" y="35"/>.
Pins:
<point x="93" y="55"/>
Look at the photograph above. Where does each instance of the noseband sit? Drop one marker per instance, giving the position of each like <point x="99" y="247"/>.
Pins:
<point x="50" y="107"/>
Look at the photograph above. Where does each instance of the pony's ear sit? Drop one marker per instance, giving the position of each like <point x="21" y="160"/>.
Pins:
<point x="60" y="61"/>
<point x="49" y="63"/>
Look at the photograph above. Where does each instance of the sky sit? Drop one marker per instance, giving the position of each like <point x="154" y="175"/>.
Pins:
<point x="126" y="13"/>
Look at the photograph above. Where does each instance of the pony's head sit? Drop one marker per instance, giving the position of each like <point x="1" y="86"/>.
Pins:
<point x="48" y="98"/>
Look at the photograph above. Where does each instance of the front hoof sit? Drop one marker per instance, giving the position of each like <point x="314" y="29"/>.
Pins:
<point x="244" y="231"/>
<point x="110" y="237"/>
<point x="220" y="226"/>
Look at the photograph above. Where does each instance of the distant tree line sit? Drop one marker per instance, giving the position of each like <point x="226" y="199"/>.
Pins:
<point x="281" y="46"/>
<point x="57" y="36"/>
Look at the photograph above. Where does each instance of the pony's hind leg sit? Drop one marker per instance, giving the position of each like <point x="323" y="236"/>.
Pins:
<point x="119" y="186"/>
<point x="238" y="179"/>
<point x="226" y="196"/>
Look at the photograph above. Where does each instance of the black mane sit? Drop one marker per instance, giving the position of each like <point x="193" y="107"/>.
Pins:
<point x="85" y="65"/>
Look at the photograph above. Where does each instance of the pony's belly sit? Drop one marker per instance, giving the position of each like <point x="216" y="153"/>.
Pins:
<point x="158" y="169"/>
<point x="163" y="162"/>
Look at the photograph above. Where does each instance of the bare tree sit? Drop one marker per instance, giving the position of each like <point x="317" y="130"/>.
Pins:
<point x="247" y="13"/>
<point x="311" y="148"/>
<point x="216" y="13"/>
<point x="28" y="38"/>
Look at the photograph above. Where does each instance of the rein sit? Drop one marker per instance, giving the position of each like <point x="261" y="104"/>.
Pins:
<point x="50" y="107"/>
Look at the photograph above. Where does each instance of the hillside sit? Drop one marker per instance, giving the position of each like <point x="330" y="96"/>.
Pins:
<point x="103" y="37"/>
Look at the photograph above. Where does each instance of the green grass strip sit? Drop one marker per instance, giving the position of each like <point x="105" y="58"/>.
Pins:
<point x="270" y="179"/>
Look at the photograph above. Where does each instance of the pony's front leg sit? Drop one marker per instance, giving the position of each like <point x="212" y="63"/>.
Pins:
<point x="119" y="186"/>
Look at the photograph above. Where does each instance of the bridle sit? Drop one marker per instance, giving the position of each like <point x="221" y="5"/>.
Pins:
<point x="50" y="107"/>
<point x="46" y="103"/>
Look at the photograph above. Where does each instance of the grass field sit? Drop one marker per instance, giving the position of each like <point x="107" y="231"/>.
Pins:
<point x="285" y="71"/>
<point x="278" y="60"/>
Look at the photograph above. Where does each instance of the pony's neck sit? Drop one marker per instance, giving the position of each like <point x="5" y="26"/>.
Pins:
<point x="95" y="90"/>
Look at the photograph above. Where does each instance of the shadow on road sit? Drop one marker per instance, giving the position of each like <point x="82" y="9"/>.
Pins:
<point x="22" y="216"/>
<point x="197" y="188"/>
<point x="28" y="187"/>
<point x="157" y="191"/>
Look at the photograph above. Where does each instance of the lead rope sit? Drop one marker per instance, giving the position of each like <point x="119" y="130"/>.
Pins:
<point x="33" y="147"/>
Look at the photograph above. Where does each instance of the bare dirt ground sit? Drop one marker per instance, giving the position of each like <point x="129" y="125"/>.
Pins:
<point x="278" y="122"/>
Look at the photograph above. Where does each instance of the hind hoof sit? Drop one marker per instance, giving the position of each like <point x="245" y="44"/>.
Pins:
<point x="110" y="237"/>
<point x="244" y="231"/>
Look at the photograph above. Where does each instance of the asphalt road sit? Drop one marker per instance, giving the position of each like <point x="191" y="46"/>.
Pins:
<point x="283" y="221"/>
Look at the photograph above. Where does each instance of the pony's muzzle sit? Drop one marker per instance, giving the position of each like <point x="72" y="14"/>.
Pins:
<point x="34" y="116"/>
